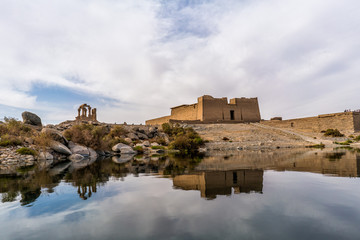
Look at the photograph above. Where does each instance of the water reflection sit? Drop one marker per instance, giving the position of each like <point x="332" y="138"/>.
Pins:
<point x="338" y="162"/>
<point x="218" y="174"/>
<point x="215" y="183"/>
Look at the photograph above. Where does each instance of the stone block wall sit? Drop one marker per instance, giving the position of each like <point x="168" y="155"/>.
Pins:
<point x="249" y="109"/>
<point x="158" y="121"/>
<point x="345" y="122"/>
<point x="213" y="109"/>
<point x="185" y="112"/>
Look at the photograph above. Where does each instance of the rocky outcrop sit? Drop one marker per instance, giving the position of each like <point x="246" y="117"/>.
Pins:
<point x="132" y="136"/>
<point x="55" y="135"/>
<point x="10" y="160"/>
<point x="79" y="149"/>
<point x="31" y="118"/>
<point x="60" y="148"/>
<point x="45" y="156"/>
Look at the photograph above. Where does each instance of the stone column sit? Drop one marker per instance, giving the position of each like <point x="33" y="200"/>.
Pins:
<point x="89" y="111"/>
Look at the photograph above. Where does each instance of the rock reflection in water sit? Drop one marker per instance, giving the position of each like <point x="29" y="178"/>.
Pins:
<point x="217" y="174"/>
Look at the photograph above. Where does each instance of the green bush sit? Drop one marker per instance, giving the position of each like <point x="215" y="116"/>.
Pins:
<point x="166" y="128"/>
<point x="186" y="140"/>
<point x="333" y="133"/>
<point x="14" y="127"/>
<point x="139" y="149"/>
<point x="9" y="140"/>
<point x="185" y="144"/>
<point x="321" y="145"/>
<point x="117" y="131"/>
<point x="90" y="136"/>
<point x="347" y="142"/>
<point x="357" y="138"/>
<point x="157" y="147"/>
<point x="26" y="151"/>
<point x="159" y="140"/>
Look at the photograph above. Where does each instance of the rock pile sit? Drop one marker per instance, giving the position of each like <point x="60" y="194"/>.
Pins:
<point x="10" y="160"/>
<point x="59" y="149"/>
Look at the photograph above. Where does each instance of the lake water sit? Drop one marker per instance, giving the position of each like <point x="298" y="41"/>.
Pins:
<point x="236" y="195"/>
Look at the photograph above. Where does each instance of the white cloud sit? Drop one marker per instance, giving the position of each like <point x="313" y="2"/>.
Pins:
<point x="299" y="57"/>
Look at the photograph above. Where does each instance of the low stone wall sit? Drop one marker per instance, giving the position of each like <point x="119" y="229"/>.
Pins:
<point x="158" y="121"/>
<point x="344" y="122"/>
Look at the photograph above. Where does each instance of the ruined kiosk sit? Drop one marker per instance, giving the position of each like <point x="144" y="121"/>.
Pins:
<point x="213" y="110"/>
<point x="86" y="113"/>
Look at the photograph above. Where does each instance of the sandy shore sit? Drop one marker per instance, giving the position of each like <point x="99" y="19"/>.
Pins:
<point x="258" y="136"/>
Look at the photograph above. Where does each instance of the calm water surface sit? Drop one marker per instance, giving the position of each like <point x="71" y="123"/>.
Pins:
<point x="239" y="195"/>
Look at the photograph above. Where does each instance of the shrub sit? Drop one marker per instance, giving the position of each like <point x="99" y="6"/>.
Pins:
<point x="357" y="138"/>
<point x="26" y="151"/>
<point x="9" y="140"/>
<point x="89" y="135"/>
<point x="333" y="133"/>
<point x="225" y="139"/>
<point x="139" y="149"/>
<point x="187" y="140"/>
<point x="321" y="145"/>
<point x="159" y="140"/>
<point x="157" y="147"/>
<point x="43" y="140"/>
<point x="347" y="142"/>
<point x="14" y="127"/>
<point x="117" y="131"/>
<point x="185" y="144"/>
<point x="166" y="128"/>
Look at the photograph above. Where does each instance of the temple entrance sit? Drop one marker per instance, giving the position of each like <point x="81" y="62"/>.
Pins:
<point x="232" y="114"/>
<point x="235" y="178"/>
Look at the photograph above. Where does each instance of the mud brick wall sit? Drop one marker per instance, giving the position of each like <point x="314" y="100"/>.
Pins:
<point x="186" y="112"/>
<point x="158" y="121"/>
<point x="344" y="122"/>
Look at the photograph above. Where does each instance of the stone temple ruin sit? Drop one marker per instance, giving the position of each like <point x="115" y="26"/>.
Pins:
<point x="86" y="113"/>
<point x="213" y="110"/>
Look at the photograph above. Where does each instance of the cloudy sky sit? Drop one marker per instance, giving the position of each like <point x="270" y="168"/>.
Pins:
<point x="134" y="59"/>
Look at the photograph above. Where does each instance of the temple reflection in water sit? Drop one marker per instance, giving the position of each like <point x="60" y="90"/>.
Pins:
<point x="215" y="183"/>
<point x="217" y="174"/>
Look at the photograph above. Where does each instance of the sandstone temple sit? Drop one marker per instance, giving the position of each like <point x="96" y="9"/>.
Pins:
<point x="86" y="113"/>
<point x="213" y="110"/>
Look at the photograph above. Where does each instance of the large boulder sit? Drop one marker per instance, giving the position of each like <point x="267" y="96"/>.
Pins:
<point x="55" y="135"/>
<point x="60" y="148"/>
<point x="132" y="136"/>
<point x="123" y="149"/>
<point x="45" y="156"/>
<point x="142" y="136"/>
<point x="78" y="149"/>
<point x="31" y="118"/>
<point x="146" y="143"/>
<point x="117" y="147"/>
<point x="93" y="154"/>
